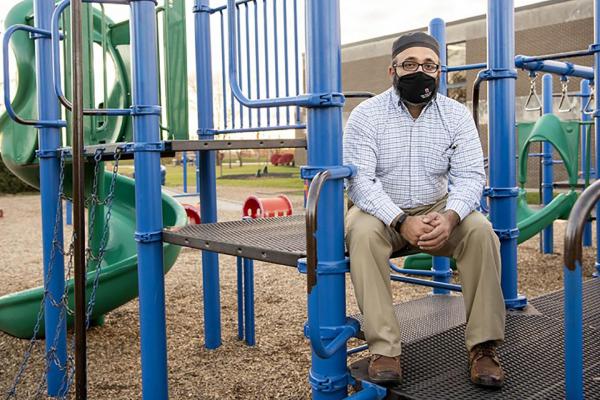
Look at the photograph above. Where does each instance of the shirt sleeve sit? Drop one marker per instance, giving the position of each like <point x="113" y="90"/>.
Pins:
<point x="467" y="174"/>
<point x="360" y="149"/>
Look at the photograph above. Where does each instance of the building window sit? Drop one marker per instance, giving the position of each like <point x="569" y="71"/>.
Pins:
<point x="457" y="81"/>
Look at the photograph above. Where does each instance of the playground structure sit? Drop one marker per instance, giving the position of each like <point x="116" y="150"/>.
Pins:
<point x="314" y="243"/>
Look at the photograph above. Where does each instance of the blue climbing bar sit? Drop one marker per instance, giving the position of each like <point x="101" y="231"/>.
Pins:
<point x="554" y="67"/>
<point x="547" y="165"/>
<point x="585" y="131"/>
<point x="501" y="111"/>
<point x="148" y="208"/>
<point x="441" y="265"/>
<point x="50" y="140"/>
<point x="597" y="120"/>
<point x="206" y="173"/>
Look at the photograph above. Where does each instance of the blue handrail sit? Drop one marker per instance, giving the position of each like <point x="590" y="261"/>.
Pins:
<point x="573" y="292"/>
<point x="351" y="327"/>
<point x="6" y="75"/>
<point x="56" y="69"/>
<point x="305" y="100"/>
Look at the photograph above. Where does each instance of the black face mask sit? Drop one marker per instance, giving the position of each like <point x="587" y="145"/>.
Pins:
<point x="417" y="88"/>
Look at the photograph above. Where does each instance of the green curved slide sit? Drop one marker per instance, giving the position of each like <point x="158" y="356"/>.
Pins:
<point x="564" y="136"/>
<point x="118" y="276"/>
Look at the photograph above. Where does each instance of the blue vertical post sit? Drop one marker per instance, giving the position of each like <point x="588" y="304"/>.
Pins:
<point x="547" y="165"/>
<point x="69" y="211"/>
<point x="149" y="223"/>
<point x="328" y="377"/>
<point x="501" y="111"/>
<point x="585" y="161"/>
<point x="249" y="301"/>
<point x="597" y="121"/>
<point x="207" y="177"/>
<point x="50" y="139"/>
<point x="573" y="309"/>
<point x="240" y="297"/>
<point x="437" y="29"/>
<point x="184" y="161"/>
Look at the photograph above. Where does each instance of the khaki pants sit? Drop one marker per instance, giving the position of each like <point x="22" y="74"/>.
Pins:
<point x="474" y="246"/>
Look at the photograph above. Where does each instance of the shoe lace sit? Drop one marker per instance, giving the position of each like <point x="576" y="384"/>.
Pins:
<point x="487" y="349"/>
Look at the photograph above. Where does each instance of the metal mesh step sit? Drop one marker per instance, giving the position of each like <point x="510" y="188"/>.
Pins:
<point x="436" y="367"/>
<point x="551" y="304"/>
<point x="277" y="240"/>
<point x="426" y="316"/>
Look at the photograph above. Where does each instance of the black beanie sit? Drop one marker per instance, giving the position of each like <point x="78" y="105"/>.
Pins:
<point x="415" y="39"/>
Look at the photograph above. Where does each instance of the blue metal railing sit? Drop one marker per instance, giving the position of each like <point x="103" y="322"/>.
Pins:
<point x="271" y="66"/>
<point x="6" y="76"/>
<point x="56" y="73"/>
<point x="573" y="300"/>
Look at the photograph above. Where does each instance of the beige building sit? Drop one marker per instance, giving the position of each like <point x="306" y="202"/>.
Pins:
<point x="543" y="28"/>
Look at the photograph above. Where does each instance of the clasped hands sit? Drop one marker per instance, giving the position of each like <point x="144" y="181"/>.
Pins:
<point x="429" y="232"/>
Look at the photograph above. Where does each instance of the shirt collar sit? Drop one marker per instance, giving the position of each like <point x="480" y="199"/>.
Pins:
<point x="399" y="105"/>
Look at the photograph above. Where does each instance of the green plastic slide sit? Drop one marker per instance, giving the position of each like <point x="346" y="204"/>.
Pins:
<point x="118" y="276"/>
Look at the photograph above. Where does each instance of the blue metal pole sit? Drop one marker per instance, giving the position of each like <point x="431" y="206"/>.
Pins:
<point x="69" y="211"/>
<point x="585" y="162"/>
<point x="208" y="183"/>
<point x="437" y="29"/>
<point x="547" y="165"/>
<point x="573" y="310"/>
<point x="49" y="139"/>
<point x="184" y="160"/>
<point x="257" y="60"/>
<point x="239" y="57"/>
<point x="248" y="69"/>
<point x="555" y="67"/>
<point x="328" y="376"/>
<point x="597" y="122"/>
<point x="501" y="111"/>
<point x="266" y="47"/>
<point x="240" y="297"/>
<point x="148" y="208"/>
<point x="222" y="20"/>
<point x="249" y="301"/>
<point x="276" y="57"/>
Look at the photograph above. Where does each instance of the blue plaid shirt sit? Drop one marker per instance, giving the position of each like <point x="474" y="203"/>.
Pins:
<point x="405" y="162"/>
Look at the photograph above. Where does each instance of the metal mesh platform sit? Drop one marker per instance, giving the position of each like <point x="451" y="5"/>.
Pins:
<point x="277" y="240"/>
<point x="436" y="367"/>
<point x="551" y="304"/>
<point x="425" y="317"/>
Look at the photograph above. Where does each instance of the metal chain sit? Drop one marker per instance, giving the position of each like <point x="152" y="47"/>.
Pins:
<point x="108" y="201"/>
<point x="56" y="247"/>
<point x="92" y="202"/>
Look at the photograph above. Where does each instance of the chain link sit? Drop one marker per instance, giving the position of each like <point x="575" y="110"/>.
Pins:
<point x="92" y="202"/>
<point x="57" y="246"/>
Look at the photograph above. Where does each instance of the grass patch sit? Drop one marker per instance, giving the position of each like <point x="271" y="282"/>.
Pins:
<point x="281" y="178"/>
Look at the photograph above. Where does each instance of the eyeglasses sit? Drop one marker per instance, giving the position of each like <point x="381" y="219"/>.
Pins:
<point x="412" y="66"/>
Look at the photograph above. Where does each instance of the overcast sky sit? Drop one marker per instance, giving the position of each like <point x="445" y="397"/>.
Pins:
<point x="367" y="19"/>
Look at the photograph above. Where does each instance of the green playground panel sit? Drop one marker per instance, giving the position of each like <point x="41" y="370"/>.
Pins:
<point x="118" y="276"/>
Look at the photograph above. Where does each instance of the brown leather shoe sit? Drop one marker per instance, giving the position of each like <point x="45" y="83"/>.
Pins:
<point x="484" y="366"/>
<point x="385" y="370"/>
